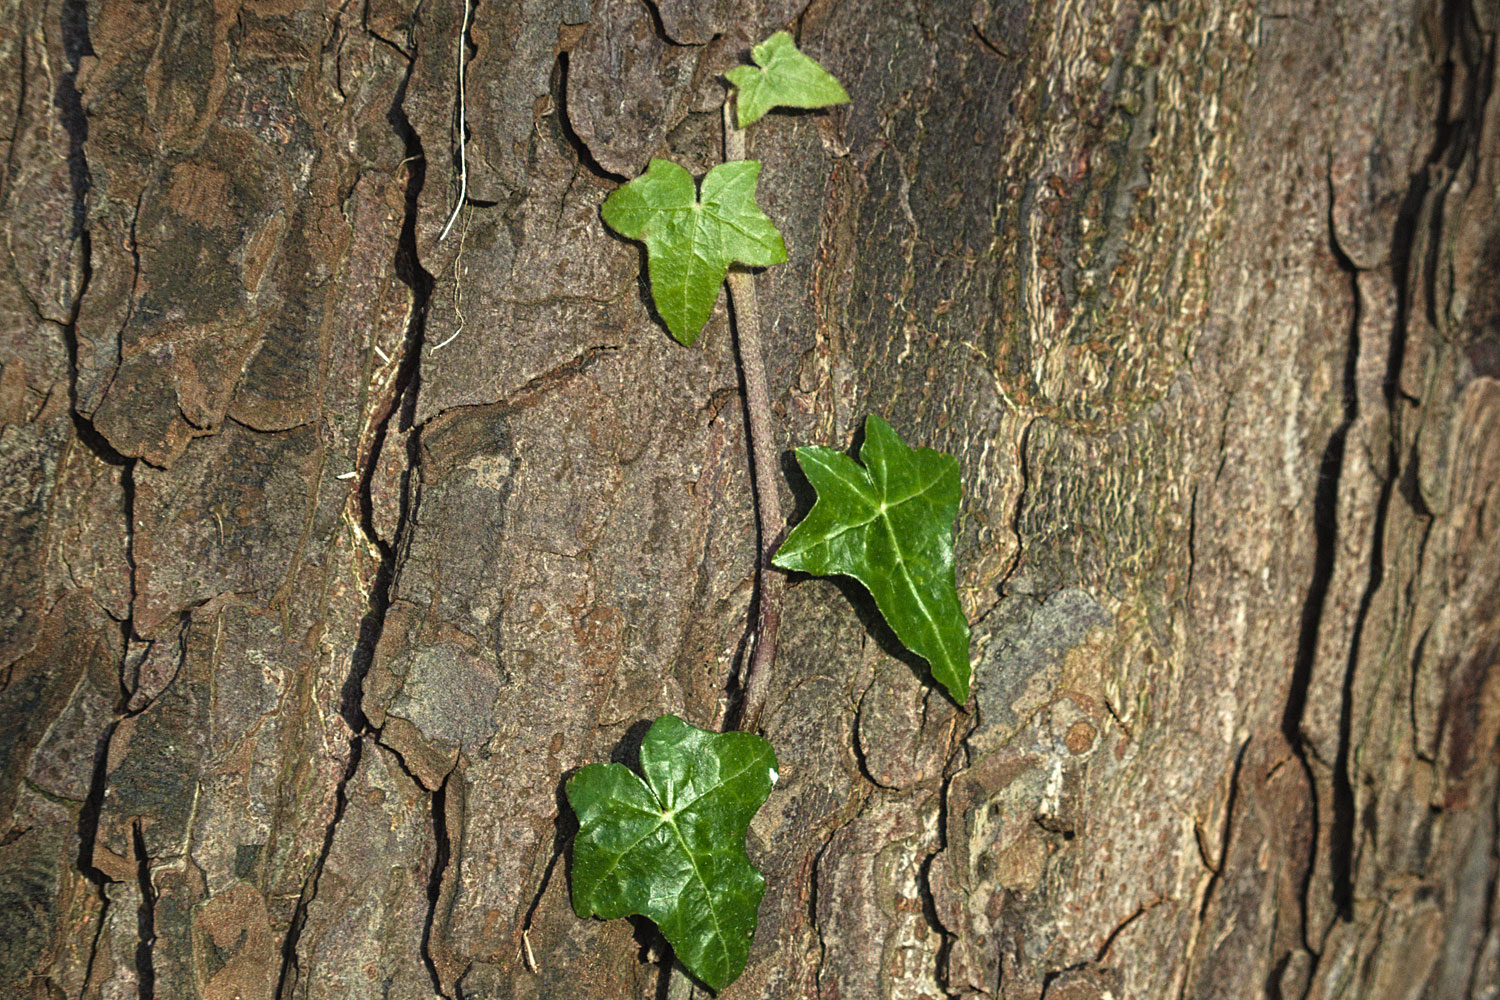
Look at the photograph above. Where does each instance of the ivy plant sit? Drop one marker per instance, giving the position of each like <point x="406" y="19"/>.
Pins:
<point x="785" y="79"/>
<point x="672" y="846"/>
<point x="889" y="524"/>
<point x="669" y="844"/>
<point x="691" y="240"/>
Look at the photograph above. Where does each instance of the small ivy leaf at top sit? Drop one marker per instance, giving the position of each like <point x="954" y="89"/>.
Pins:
<point x="691" y="241"/>
<point x="889" y="524"/>
<point x="672" y="847"/>
<point x="786" y="79"/>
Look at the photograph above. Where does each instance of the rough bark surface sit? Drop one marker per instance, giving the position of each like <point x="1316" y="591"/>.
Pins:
<point x="332" y="548"/>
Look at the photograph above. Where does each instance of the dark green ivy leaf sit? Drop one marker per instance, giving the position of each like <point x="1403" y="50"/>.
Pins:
<point x="786" y="79"/>
<point x="690" y="243"/>
<point x="672" y="847"/>
<point x="889" y="524"/>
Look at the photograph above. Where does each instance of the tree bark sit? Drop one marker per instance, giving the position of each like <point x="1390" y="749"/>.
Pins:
<point x="333" y="548"/>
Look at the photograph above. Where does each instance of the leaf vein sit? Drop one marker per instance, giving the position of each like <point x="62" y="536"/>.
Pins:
<point x="917" y="596"/>
<point x="599" y="879"/>
<point x="722" y="782"/>
<point x="708" y="895"/>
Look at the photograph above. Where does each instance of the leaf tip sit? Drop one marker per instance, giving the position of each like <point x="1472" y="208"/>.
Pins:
<point x="685" y="336"/>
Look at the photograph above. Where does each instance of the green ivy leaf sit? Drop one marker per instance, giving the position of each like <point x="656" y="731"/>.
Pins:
<point x="889" y="525"/>
<point x="786" y="79"/>
<point x="690" y="243"/>
<point x="672" y="847"/>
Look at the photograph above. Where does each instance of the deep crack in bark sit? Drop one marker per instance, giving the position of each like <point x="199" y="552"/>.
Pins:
<point x="1022" y="445"/>
<point x="565" y="125"/>
<point x="1341" y="792"/>
<point x="73" y="18"/>
<point x="1450" y="141"/>
<point x="1325" y="528"/>
<point x="407" y="384"/>
<point x="286" y="980"/>
<point x="1216" y="873"/>
<point x="145" y="967"/>
<point x="443" y="852"/>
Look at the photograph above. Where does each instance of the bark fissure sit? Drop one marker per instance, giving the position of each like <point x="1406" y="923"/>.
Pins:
<point x="554" y="378"/>
<point x="1118" y="929"/>
<point x="69" y="104"/>
<point x="73" y="18"/>
<point x="565" y="125"/>
<point x="860" y="758"/>
<point x="1225" y="838"/>
<point x="407" y="384"/>
<point x="404" y="392"/>
<point x="928" y="897"/>
<point x="1216" y="870"/>
<point x="1326" y="531"/>
<point x="563" y="834"/>
<point x="1450" y="144"/>
<point x="101" y="921"/>
<point x="1192" y="541"/>
<point x="1341" y="805"/>
<point x="659" y="28"/>
<point x="444" y="849"/>
<point x="74" y="24"/>
<point x="1018" y="512"/>
<point x="287" y="977"/>
<point x="88" y="814"/>
<point x="145" y="918"/>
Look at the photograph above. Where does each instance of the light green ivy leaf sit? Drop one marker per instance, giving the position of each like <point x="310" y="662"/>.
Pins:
<point x="672" y="847"/>
<point x="786" y="79"/>
<point x="690" y="242"/>
<point x="889" y="524"/>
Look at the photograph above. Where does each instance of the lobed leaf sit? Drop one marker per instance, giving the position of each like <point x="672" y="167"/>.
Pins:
<point x="672" y="847"/>
<point x="889" y="524"/>
<point x="786" y="79"/>
<point x="690" y="242"/>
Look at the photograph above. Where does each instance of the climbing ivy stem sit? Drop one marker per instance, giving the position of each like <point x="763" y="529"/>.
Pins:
<point x="767" y="503"/>
<point x="763" y="469"/>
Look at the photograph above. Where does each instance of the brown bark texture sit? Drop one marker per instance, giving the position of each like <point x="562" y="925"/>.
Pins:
<point x="331" y="548"/>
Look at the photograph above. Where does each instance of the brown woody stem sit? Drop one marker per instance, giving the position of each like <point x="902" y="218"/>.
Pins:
<point x="767" y="503"/>
<point x="763" y="469"/>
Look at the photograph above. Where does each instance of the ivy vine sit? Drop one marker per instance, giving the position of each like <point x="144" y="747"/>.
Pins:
<point x="669" y="844"/>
